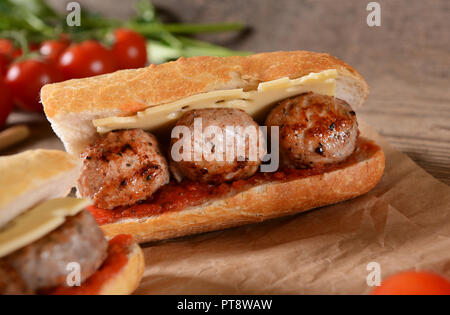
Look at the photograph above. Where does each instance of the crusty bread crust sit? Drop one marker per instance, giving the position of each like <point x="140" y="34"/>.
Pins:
<point x="32" y="176"/>
<point x="72" y="105"/>
<point x="127" y="280"/>
<point x="270" y="200"/>
<point x="134" y="90"/>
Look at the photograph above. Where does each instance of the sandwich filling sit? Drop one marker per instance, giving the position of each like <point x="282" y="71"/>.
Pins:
<point x="254" y="102"/>
<point x="119" y="250"/>
<point x="37" y="248"/>
<point x="177" y="196"/>
<point x="219" y="140"/>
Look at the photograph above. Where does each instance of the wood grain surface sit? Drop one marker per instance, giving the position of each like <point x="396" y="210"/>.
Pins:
<point x="406" y="60"/>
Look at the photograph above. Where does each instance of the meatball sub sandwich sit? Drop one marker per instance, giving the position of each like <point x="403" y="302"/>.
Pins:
<point x="50" y="244"/>
<point x="154" y="169"/>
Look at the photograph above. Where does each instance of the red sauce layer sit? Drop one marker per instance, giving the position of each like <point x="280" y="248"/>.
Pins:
<point x="178" y="196"/>
<point x="118" y="251"/>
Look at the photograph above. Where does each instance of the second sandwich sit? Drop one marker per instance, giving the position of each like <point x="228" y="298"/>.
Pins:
<point x="49" y="243"/>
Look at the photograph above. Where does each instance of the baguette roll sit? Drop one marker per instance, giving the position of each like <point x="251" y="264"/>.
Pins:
<point x="72" y="106"/>
<point x="129" y="276"/>
<point x="41" y="233"/>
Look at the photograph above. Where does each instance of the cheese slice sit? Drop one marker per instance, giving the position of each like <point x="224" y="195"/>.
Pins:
<point x="253" y="102"/>
<point x="38" y="222"/>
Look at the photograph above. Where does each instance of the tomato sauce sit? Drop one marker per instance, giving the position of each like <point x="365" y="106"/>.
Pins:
<point x="118" y="250"/>
<point x="178" y="196"/>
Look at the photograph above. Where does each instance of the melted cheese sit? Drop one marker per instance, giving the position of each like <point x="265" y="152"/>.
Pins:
<point x="38" y="222"/>
<point x="253" y="102"/>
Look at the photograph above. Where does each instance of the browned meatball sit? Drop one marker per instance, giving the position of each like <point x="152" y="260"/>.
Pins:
<point x="233" y="155"/>
<point x="122" y="168"/>
<point x="42" y="264"/>
<point x="10" y="281"/>
<point x="314" y="129"/>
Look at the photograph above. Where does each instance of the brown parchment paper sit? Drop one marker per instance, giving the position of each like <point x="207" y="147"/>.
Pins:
<point x="403" y="223"/>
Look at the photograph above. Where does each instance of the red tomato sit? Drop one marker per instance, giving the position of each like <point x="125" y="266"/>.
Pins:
<point x="6" y="104"/>
<point x="34" y="46"/>
<point x="7" y="48"/>
<point x="26" y="78"/>
<point x="130" y="49"/>
<point x="31" y="47"/>
<point x="53" y="49"/>
<point x="65" y="38"/>
<point x="414" y="283"/>
<point x="86" y="59"/>
<point x="4" y="62"/>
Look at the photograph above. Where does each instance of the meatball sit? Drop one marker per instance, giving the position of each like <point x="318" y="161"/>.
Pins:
<point x="42" y="264"/>
<point x="10" y="281"/>
<point x="314" y="129"/>
<point x="226" y="144"/>
<point x="122" y="168"/>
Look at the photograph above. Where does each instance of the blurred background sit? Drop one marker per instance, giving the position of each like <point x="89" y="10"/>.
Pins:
<point x="406" y="60"/>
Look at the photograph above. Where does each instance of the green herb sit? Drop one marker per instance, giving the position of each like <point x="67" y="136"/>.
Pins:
<point x="34" y="21"/>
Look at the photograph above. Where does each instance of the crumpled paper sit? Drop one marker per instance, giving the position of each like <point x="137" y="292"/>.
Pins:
<point x="402" y="224"/>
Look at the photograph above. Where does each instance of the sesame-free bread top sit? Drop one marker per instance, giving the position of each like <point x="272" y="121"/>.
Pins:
<point x="33" y="176"/>
<point x="134" y="90"/>
<point x="72" y="105"/>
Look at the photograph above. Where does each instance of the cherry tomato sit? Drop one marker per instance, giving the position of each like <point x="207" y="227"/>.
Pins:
<point x="34" y="46"/>
<point x="26" y="78"/>
<point x="86" y="59"/>
<point x="7" y="48"/>
<point x="6" y="104"/>
<point x="31" y="47"/>
<point x="414" y="283"/>
<point x="53" y="49"/>
<point x="4" y="62"/>
<point x="65" y="38"/>
<point x="130" y="49"/>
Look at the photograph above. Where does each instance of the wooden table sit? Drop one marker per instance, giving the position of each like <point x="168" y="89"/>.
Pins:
<point x="406" y="60"/>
